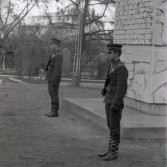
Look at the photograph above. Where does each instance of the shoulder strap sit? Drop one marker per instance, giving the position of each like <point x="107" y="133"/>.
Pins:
<point x="119" y="65"/>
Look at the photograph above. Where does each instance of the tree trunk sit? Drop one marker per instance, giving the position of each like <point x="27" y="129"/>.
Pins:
<point x="86" y="6"/>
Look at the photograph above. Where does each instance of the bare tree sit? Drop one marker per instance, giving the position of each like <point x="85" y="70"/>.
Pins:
<point x="92" y="21"/>
<point x="31" y="50"/>
<point x="92" y="28"/>
<point x="12" y="13"/>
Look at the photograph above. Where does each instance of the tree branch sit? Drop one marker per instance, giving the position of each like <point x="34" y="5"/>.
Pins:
<point x="8" y="13"/>
<point x="76" y="4"/>
<point x="19" y="16"/>
<point x="9" y="30"/>
<point x="96" y="32"/>
<point x="98" y="17"/>
<point x="104" y="1"/>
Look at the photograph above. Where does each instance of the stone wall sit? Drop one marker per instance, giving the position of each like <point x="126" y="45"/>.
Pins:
<point x="141" y="22"/>
<point x="147" y="81"/>
<point x="134" y="22"/>
<point x="141" y="27"/>
<point x="160" y="29"/>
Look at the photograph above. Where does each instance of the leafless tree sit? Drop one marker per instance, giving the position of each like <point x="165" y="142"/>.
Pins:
<point x="92" y="23"/>
<point x="12" y="13"/>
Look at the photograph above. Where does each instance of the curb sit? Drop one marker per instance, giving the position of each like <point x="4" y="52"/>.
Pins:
<point x="128" y="130"/>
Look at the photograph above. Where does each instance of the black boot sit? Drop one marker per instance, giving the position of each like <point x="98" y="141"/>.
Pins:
<point x="113" y="152"/>
<point x="52" y="109"/>
<point x="53" y="114"/>
<point x="105" y="153"/>
<point x="48" y="113"/>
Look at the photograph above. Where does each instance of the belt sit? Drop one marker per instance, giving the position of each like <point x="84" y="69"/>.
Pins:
<point x="110" y="88"/>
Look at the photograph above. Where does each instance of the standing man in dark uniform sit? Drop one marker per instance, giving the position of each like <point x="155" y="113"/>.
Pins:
<point x="114" y="90"/>
<point x="54" y="69"/>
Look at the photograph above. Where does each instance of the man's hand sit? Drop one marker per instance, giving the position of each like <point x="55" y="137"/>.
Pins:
<point x="114" y="107"/>
<point x="103" y="92"/>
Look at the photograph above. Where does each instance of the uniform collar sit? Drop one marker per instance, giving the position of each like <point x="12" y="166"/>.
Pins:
<point x="56" y="51"/>
<point x="115" y="62"/>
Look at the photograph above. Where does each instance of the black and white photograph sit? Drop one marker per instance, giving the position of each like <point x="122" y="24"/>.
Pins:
<point x="83" y="83"/>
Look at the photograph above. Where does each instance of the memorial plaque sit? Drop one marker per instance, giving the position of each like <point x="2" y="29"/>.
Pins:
<point x="133" y="22"/>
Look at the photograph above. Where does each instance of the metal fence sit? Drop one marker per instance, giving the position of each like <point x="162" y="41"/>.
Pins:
<point x="8" y="71"/>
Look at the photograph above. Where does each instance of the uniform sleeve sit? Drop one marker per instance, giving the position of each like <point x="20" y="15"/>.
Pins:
<point x="47" y="64"/>
<point x="122" y="76"/>
<point x="58" y="66"/>
<point x="107" y="78"/>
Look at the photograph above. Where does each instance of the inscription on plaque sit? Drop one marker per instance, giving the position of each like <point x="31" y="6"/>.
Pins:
<point x="133" y="22"/>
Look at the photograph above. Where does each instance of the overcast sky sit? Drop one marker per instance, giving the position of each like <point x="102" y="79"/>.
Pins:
<point x="53" y="6"/>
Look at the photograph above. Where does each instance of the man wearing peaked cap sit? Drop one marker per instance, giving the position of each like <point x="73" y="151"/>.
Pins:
<point x="53" y="75"/>
<point x="55" y="41"/>
<point x="111" y="46"/>
<point x="114" y="90"/>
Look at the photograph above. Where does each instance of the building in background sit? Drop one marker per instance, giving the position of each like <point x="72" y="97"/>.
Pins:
<point x="66" y="18"/>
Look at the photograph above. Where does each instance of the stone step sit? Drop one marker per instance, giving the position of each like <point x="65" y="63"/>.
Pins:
<point x="134" y="124"/>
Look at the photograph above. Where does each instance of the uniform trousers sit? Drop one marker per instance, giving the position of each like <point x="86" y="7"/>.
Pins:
<point x="113" y="118"/>
<point x="53" y="88"/>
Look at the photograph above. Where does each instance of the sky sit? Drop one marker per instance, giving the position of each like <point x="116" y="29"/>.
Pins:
<point x="19" y="6"/>
<point x="53" y="6"/>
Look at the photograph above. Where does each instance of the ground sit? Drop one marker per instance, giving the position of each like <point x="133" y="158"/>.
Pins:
<point x="29" y="139"/>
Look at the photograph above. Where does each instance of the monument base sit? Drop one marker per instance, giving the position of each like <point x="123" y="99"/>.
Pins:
<point x="76" y="80"/>
<point x="151" y="109"/>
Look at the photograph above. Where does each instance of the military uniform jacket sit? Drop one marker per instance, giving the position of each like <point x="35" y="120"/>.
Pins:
<point x="117" y="86"/>
<point x="54" y="67"/>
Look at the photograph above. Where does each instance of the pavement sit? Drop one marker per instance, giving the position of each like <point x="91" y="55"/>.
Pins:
<point x="134" y="124"/>
<point x="30" y="139"/>
<point x="65" y="81"/>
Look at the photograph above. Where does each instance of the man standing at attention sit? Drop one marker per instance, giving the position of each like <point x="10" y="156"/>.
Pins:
<point x="54" y="69"/>
<point x="114" y="90"/>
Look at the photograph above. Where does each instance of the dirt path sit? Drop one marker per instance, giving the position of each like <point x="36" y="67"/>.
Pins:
<point x="29" y="139"/>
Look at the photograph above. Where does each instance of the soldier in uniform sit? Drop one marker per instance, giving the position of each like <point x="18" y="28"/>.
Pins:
<point x="114" y="90"/>
<point x="54" y="69"/>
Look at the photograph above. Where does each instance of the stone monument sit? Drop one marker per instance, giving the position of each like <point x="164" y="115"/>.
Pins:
<point x="141" y="26"/>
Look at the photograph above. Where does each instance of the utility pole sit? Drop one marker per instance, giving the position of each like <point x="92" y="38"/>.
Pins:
<point x="78" y="49"/>
<point x="0" y="21"/>
<point x="1" y="37"/>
